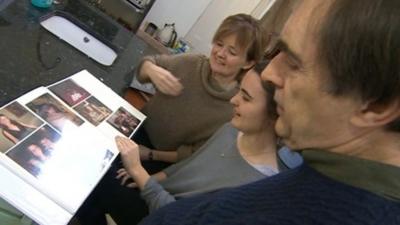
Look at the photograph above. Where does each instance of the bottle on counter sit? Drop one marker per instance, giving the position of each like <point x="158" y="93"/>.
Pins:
<point x="42" y="3"/>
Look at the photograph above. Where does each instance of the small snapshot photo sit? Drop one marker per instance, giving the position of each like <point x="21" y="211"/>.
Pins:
<point x="93" y="110"/>
<point x="53" y="112"/>
<point x="123" y="121"/>
<point x="33" y="153"/>
<point x="70" y="92"/>
<point x="107" y="158"/>
<point x="16" y="123"/>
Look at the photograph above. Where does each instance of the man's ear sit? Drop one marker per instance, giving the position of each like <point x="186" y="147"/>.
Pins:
<point x="248" y="65"/>
<point x="374" y="114"/>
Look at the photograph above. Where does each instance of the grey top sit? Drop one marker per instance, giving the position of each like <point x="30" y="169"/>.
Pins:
<point x="217" y="164"/>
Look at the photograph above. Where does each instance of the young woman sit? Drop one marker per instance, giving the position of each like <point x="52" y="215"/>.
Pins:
<point x="192" y="100"/>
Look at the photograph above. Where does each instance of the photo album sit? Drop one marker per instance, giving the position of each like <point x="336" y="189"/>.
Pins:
<point x="57" y="142"/>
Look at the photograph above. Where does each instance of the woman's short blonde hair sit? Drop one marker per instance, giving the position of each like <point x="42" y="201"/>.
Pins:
<point x="248" y="31"/>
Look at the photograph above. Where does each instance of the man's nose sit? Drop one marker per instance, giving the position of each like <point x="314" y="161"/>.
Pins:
<point x="271" y="74"/>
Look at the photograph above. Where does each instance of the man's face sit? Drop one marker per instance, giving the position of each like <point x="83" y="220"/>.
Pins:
<point x="309" y="117"/>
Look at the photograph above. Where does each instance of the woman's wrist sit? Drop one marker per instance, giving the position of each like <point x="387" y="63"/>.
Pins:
<point x="146" y="154"/>
<point x="150" y="155"/>
<point x="139" y="175"/>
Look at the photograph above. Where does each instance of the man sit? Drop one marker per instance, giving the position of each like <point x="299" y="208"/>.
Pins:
<point x="337" y="77"/>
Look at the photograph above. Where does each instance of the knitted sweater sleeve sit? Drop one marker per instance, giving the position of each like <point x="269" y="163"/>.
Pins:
<point x="139" y="67"/>
<point x="155" y="195"/>
<point x="168" y="62"/>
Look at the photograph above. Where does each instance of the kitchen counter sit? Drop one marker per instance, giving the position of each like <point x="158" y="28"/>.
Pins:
<point x="31" y="56"/>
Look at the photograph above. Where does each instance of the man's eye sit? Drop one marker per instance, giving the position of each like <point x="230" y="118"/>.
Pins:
<point x="245" y="98"/>
<point x="292" y="65"/>
<point x="270" y="54"/>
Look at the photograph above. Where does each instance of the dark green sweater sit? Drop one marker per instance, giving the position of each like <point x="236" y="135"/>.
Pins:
<point x="299" y="196"/>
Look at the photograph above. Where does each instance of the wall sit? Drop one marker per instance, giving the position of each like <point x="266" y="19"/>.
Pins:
<point x="276" y="17"/>
<point x="197" y="20"/>
<point x="262" y="8"/>
<point x="184" y="13"/>
<point x="201" y="34"/>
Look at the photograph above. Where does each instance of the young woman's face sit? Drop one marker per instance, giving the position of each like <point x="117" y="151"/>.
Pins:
<point x="250" y="105"/>
<point x="227" y="57"/>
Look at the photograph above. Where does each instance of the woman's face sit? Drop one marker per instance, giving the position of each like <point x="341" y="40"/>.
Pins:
<point x="250" y="105"/>
<point x="35" y="150"/>
<point x="227" y="57"/>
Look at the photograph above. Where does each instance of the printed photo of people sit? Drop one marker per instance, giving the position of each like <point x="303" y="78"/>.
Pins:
<point x="123" y="121"/>
<point x="36" y="150"/>
<point x="70" y="92"/>
<point x="107" y="157"/>
<point x="53" y="112"/>
<point x="93" y="110"/>
<point x="16" y="123"/>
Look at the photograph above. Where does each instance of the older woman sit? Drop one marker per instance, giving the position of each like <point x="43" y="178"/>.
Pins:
<point x="192" y="100"/>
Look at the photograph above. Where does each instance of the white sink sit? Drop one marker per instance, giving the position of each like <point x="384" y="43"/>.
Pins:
<point x="73" y="34"/>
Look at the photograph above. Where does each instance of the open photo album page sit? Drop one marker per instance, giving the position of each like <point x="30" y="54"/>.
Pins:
<point x="60" y="141"/>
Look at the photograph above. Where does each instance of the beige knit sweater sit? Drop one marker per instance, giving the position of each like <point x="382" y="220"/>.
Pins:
<point x="185" y="122"/>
